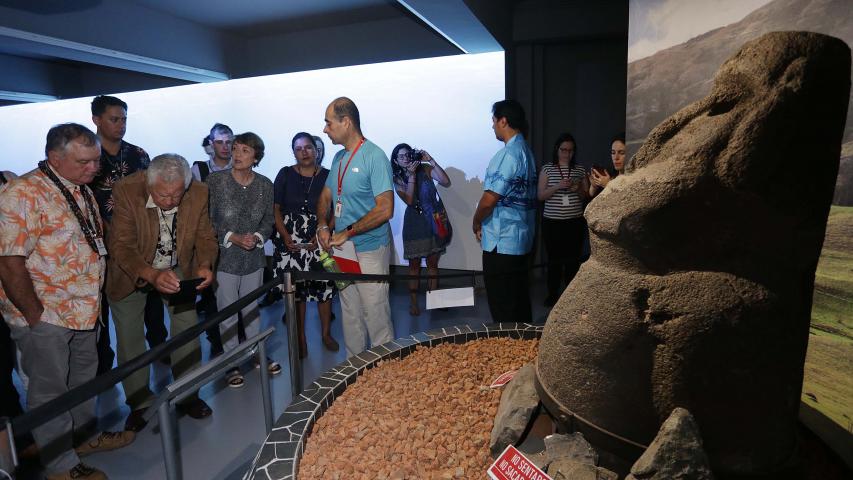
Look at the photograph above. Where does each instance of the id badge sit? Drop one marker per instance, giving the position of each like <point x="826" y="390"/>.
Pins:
<point x="102" y="249"/>
<point x="565" y="200"/>
<point x="339" y="207"/>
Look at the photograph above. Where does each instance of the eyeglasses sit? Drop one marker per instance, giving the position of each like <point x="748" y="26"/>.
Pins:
<point x="306" y="148"/>
<point x="566" y="150"/>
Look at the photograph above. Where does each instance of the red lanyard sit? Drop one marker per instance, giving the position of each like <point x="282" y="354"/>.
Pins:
<point x="560" y="168"/>
<point x="341" y="177"/>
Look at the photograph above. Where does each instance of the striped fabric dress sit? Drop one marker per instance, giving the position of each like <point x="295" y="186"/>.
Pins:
<point x="564" y="204"/>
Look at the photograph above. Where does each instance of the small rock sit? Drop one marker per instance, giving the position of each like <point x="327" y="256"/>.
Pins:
<point x="540" y="459"/>
<point x="571" y="470"/>
<point x="518" y="403"/>
<point x="675" y="453"/>
<point x="571" y="446"/>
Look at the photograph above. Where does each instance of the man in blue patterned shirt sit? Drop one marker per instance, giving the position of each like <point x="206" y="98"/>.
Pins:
<point x="505" y="220"/>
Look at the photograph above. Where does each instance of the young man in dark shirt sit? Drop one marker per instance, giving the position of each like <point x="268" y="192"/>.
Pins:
<point x="118" y="160"/>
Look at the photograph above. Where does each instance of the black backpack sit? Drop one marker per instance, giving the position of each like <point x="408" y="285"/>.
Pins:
<point x="203" y="170"/>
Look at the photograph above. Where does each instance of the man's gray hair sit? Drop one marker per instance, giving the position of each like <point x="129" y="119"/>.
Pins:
<point x="169" y="168"/>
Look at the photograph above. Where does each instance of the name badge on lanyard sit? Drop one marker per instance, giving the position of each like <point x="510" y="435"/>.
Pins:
<point x="339" y="205"/>
<point x="102" y="249"/>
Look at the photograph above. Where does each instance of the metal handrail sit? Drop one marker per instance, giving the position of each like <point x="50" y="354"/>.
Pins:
<point x="197" y="378"/>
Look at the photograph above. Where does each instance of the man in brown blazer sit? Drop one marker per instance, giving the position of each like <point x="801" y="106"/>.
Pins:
<point x="160" y="234"/>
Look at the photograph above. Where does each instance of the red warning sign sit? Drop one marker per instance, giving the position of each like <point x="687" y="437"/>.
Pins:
<point x="503" y="379"/>
<point x="513" y="465"/>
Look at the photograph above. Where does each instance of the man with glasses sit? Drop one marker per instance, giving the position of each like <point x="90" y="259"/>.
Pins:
<point x="52" y="263"/>
<point x="161" y="234"/>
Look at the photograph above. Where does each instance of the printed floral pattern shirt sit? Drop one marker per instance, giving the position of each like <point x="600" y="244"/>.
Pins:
<point x="129" y="159"/>
<point x="67" y="274"/>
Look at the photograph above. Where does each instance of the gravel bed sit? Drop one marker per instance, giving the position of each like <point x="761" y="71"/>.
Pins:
<point x="426" y="416"/>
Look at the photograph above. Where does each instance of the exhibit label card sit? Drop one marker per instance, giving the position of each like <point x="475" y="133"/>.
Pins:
<point x="513" y="465"/>
<point x="450" y="297"/>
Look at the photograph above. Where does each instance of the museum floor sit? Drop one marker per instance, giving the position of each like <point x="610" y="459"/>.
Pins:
<point x="223" y="445"/>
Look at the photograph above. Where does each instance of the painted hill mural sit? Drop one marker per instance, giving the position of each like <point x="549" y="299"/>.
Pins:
<point x="663" y="83"/>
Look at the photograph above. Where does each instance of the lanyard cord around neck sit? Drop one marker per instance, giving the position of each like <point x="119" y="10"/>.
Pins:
<point x="89" y="231"/>
<point x="341" y="177"/>
<point x="560" y="168"/>
<point x="172" y="235"/>
<point x="306" y="192"/>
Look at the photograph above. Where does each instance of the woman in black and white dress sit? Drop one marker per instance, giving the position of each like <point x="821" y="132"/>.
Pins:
<point x="297" y="189"/>
<point x="563" y="186"/>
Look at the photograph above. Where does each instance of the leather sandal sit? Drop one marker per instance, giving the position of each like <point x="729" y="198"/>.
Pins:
<point x="331" y="344"/>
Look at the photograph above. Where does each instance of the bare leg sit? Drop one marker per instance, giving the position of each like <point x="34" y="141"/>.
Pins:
<point x="324" y="311"/>
<point x="432" y="269"/>
<point x="414" y="269"/>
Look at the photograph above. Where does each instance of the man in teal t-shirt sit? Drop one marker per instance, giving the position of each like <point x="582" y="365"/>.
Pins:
<point x="356" y="204"/>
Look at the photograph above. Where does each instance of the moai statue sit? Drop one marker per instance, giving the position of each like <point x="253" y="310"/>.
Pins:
<point x="699" y="289"/>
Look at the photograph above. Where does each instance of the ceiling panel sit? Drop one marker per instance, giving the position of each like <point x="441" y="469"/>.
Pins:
<point x="261" y="17"/>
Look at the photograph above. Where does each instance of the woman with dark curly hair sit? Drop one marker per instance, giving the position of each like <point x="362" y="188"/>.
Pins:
<point x="297" y="189"/>
<point x="563" y="186"/>
<point x="426" y="230"/>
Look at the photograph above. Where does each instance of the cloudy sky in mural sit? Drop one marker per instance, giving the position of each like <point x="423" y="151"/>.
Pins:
<point x="659" y="24"/>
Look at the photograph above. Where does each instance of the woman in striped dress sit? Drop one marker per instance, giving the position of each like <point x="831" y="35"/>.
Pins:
<point x="563" y="186"/>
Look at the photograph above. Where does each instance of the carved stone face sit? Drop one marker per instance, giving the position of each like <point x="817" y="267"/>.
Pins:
<point x="708" y="246"/>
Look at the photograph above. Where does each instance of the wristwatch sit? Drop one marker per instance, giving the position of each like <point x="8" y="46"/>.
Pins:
<point x="350" y="231"/>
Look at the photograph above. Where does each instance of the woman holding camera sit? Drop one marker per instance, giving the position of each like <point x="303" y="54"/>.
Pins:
<point x="563" y="186"/>
<point x="297" y="189"/>
<point x="426" y="229"/>
<point x="600" y="177"/>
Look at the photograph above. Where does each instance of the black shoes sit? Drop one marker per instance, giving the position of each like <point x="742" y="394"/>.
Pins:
<point x="197" y="409"/>
<point x="135" y="421"/>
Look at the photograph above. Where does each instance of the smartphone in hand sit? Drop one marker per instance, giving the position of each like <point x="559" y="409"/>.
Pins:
<point x="187" y="293"/>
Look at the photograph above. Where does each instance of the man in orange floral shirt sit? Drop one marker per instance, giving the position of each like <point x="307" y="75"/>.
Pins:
<point x="51" y="269"/>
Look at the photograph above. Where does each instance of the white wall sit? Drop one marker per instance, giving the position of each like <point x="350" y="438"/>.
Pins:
<point x="442" y="105"/>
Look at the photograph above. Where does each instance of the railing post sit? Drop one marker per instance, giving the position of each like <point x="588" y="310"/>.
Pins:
<point x="265" y="384"/>
<point x="8" y="456"/>
<point x="292" y="335"/>
<point x="167" y="438"/>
